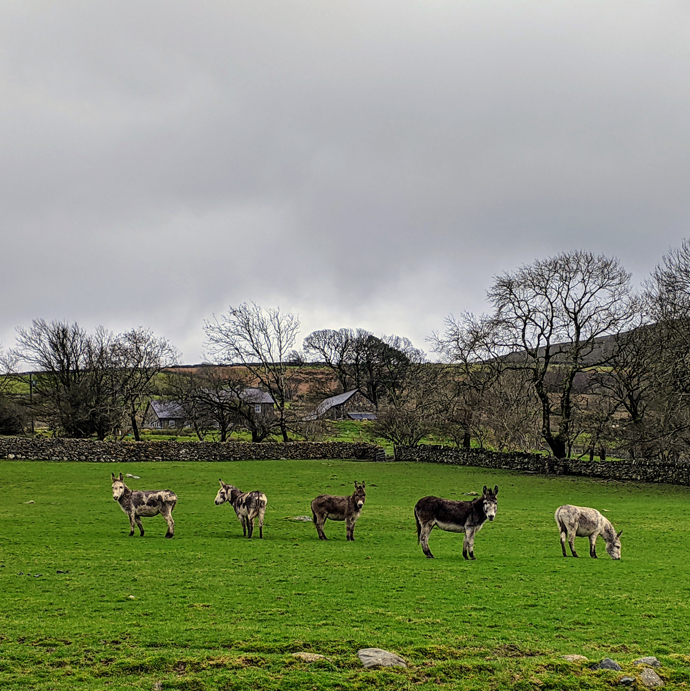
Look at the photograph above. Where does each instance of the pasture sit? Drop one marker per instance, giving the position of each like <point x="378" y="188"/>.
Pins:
<point x="210" y="609"/>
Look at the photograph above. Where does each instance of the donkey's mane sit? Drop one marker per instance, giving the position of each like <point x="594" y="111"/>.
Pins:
<point x="609" y="531"/>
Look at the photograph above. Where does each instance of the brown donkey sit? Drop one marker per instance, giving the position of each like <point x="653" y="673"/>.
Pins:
<point x="346" y="509"/>
<point x="136" y="503"/>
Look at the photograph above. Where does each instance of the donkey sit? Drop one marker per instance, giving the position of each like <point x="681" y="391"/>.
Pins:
<point x="247" y="506"/>
<point x="149" y="503"/>
<point x="581" y="521"/>
<point x="346" y="509"/>
<point x="455" y="516"/>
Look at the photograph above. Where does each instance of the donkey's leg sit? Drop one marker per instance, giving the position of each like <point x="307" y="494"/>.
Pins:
<point x="350" y="529"/>
<point x="468" y="544"/>
<point x="571" y="542"/>
<point x="593" y="545"/>
<point x="250" y="526"/>
<point x="243" y="521"/>
<point x="563" y="538"/>
<point x="470" y="537"/>
<point x="424" y="539"/>
<point x="262" y="512"/>
<point x="319" y="521"/>
<point x="140" y="526"/>
<point x="167" y="515"/>
<point x="131" y="524"/>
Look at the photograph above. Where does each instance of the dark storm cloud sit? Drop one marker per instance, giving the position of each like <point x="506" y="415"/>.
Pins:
<point x="363" y="163"/>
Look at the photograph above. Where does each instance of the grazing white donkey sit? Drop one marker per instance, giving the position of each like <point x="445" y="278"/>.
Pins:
<point x="137" y="503"/>
<point x="585" y="522"/>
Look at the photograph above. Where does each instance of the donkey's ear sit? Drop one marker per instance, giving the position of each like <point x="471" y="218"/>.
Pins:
<point x="619" y="534"/>
<point x="122" y="479"/>
<point x="364" y="484"/>
<point x="485" y="490"/>
<point x="495" y="490"/>
<point x="222" y="484"/>
<point x="356" y="484"/>
<point x="112" y="475"/>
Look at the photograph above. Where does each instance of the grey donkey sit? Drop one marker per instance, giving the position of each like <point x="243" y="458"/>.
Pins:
<point x="582" y="521"/>
<point x="136" y="503"/>
<point x="248" y="506"/>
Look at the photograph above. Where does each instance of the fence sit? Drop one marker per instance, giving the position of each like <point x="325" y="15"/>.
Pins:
<point x="641" y="471"/>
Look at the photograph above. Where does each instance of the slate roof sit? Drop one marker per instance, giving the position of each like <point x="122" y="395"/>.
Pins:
<point x="252" y="395"/>
<point x="168" y="410"/>
<point x="333" y="401"/>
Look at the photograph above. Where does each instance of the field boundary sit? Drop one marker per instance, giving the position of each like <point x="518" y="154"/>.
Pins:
<point x="639" y="471"/>
<point x="89" y="450"/>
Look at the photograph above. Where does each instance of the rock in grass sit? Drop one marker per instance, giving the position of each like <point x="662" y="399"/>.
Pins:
<point x="650" y="678"/>
<point x="300" y="519"/>
<point x="310" y="657"/>
<point x="575" y="658"/>
<point x="607" y="663"/>
<point x="626" y="681"/>
<point x="650" y="661"/>
<point x="375" y="657"/>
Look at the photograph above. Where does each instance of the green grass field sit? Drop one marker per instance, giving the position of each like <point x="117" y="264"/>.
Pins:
<point x="211" y="610"/>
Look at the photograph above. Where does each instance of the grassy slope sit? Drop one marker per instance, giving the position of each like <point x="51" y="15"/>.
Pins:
<point x="212" y="610"/>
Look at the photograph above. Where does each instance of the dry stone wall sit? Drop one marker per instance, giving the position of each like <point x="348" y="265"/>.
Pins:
<point x="127" y="452"/>
<point x="640" y="471"/>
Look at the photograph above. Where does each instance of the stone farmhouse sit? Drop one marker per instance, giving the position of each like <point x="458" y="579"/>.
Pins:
<point x="171" y="414"/>
<point x="164" y="415"/>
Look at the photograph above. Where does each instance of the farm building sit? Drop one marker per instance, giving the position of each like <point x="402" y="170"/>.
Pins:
<point x="351" y="405"/>
<point x="164" y="414"/>
<point x="171" y="414"/>
<point x="262" y="402"/>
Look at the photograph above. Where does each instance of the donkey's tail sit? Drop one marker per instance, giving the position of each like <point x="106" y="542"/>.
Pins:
<point x="559" y="522"/>
<point x="419" y="525"/>
<point x="262" y="502"/>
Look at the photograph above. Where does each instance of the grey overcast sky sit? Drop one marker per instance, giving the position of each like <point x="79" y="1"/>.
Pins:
<point x="360" y="163"/>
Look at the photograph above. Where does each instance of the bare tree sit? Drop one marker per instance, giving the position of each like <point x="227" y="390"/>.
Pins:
<point x="13" y="417"/>
<point x="665" y="343"/>
<point x="261" y="340"/>
<point x="374" y="366"/>
<point x="139" y="358"/>
<point x="85" y="384"/>
<point x="415" y="410"/>
<point x="552" y="312"/>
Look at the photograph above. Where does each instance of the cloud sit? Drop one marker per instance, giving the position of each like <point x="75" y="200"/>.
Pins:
<point x="367" y="164"/>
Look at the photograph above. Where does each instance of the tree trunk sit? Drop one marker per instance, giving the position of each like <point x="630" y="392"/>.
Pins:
<point x="558" y="447"/>
<point x="135" y="427"/>
<point x="466" y="440"/>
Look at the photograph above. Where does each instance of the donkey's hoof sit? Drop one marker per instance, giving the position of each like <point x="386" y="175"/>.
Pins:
<point x="131" y="534"/>
<point x="170" y="535"/>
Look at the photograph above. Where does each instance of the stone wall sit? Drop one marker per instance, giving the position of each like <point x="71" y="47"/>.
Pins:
<point x="640" y="471"/>
<point x="126" y="452"/>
